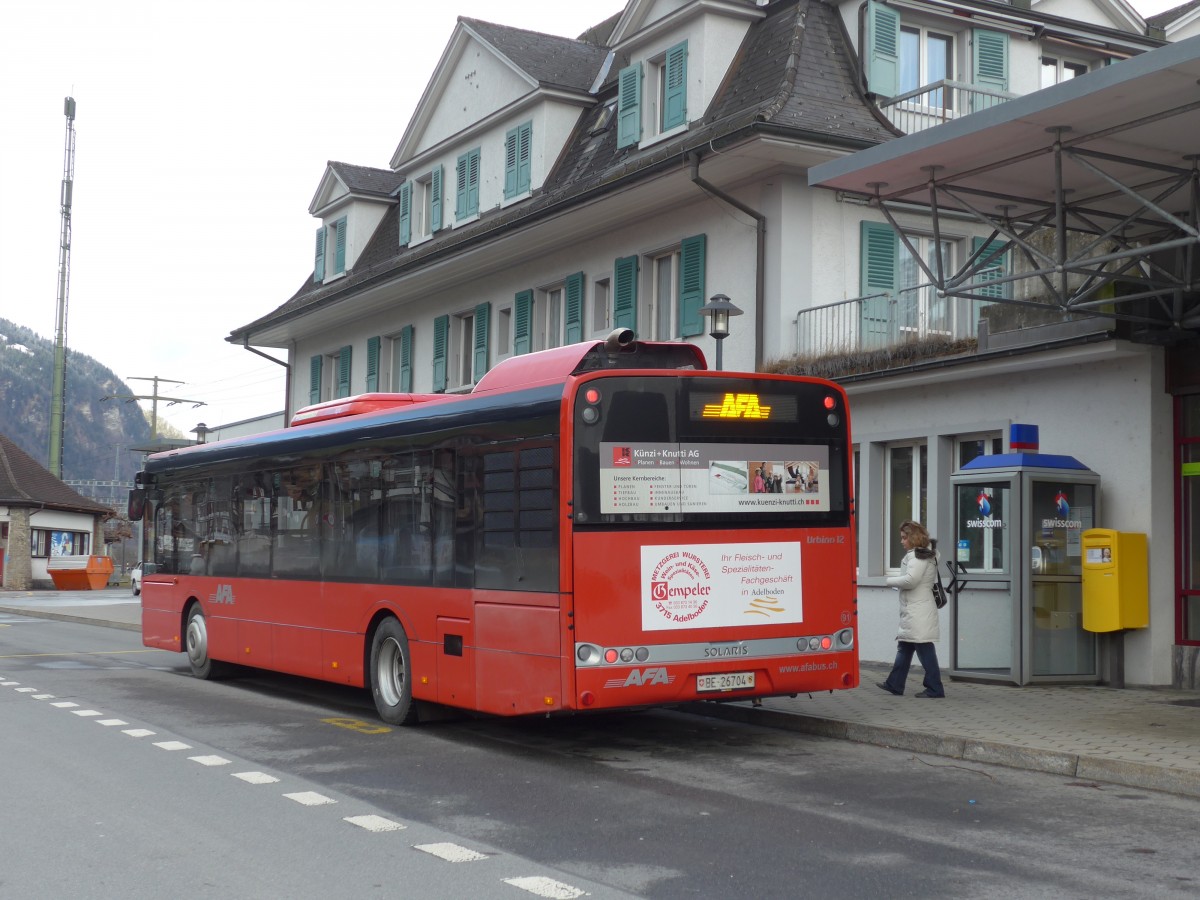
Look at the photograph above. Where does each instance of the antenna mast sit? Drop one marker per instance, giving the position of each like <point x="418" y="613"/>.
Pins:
<point x="59" y="390"/>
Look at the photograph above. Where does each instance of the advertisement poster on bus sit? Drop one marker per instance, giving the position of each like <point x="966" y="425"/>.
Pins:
<point x="721" y="585"/>
<point x="712" y="478"/>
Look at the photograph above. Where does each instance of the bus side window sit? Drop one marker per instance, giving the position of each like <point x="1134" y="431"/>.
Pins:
<point x="254" y="527"/>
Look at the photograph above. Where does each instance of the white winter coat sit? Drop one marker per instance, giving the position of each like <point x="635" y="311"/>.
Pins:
<point x="918" y="610"/>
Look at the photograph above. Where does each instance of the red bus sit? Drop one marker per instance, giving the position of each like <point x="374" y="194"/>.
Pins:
<point x="603" y="525"/>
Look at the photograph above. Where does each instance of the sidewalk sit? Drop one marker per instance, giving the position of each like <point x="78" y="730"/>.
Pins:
<point x="1142" y="738"/>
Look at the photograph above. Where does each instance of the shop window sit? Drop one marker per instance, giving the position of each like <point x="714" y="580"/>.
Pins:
<point x="906" y="493"/>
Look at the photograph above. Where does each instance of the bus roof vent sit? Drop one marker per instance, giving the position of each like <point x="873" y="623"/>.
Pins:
<point x="359" y="405"/>
<point x="620" y="351"/>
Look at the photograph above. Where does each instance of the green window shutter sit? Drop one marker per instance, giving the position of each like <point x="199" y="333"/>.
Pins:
<point x="314" y="379"/>
<point x="524" y="157"/>
<point x="573" y="320"/>
<point x="441" y="341"/>
<point x="692" y="253"/>
<point x="339" y="256"/>
<point x="473" y="182"/>
<point x="990" y="59"/>
<point x="510" y="164"/>
<point x="435" y="200"/>
<point x="373" y="363"/>
<point x="523" y="322"/>
<point x="629" y="105"/>
<point x="879" y="253"/>
<point x="625" y="272"/>
<point x="466" y="178"/>
<point x="319" y="266"/>
<point x="483" y="316"/>
<point x="675" y="87"/>
<point x="343" y="385"/>
<point x="996" y="268"/>
<point x="405" y="213"/>
<point x="406" y="339"/>
<point x="882" y="56"/>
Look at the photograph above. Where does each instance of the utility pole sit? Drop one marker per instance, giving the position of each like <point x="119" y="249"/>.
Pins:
<point x="155" y="397"/>
<point x="59" y="389"/>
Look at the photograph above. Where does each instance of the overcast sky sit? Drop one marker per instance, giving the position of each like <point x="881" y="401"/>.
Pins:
<point x="202" y="131"/>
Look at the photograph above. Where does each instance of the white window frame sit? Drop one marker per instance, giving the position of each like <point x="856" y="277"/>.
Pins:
<point x="919" y="487"/>
<point x="601" y="305"/>
<point x="461" y="352"/>
<point x="653" y="102"/>
<point x="504" y="332"/>
<point x="421" y="210"/>
<point x="933" y="315"/>
<point x="924" y="33"/>
<point x="652" y="307"/>
<point x="548" y="316"/>
<point x="1062" y="64"/>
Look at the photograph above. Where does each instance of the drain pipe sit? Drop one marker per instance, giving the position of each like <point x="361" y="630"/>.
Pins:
<point x="760" y="254"/>
<point x="287" y="378"/>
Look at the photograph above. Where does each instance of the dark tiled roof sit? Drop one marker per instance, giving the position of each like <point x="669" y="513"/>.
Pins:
<point x="24" y="483"/>
<point x="599" y="34"/>
<point x="365" y="179"/>
<point x="1163" y="19"/>
<point x="795" y="73"/>
<point x="550" y="60"/>
<point x="797" y="70"/>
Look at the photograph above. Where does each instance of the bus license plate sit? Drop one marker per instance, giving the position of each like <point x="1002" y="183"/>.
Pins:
<point x="729" y="681"/>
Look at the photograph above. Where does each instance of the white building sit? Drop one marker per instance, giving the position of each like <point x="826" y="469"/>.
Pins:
<point x="549" y="189"/>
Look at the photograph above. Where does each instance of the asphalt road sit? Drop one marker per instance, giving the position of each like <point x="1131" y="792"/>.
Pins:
<point x="655" y="804"/>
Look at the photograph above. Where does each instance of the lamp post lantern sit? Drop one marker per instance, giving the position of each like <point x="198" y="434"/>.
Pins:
<point x="719" y="309"/>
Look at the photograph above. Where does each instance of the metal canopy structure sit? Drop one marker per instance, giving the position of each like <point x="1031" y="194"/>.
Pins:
<point x="1092" y="184"/>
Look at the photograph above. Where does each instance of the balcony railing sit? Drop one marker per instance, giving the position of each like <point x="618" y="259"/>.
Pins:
<point x="939" y="102"/>
<point x="880" y="321"/>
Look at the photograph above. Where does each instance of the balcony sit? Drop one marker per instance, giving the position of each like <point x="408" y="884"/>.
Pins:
<point x="938" y="103"/>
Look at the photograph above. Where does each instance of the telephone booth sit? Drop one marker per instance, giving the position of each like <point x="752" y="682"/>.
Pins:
<point x="1019" y="519"/>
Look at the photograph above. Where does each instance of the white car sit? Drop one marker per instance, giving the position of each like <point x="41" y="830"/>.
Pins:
<point x="135" y="579"/>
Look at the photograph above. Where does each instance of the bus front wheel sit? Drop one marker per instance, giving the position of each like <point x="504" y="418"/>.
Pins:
<point x="391" y="674"/>
<point x="196" y="645"/>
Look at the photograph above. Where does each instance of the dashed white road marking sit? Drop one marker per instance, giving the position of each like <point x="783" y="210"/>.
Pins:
<point x="9" y="683"/>
<point x="210" y="760"/>
<point x="137" y="732"/>
<point x="450" y="852"/>
<point x="43" y="696"/>
<point x="86" y="713"/>
<point x="111" y="722"/>
<point x="546" y="887"/>
<point x="64" y="704"/>
<point x="256" y="777"/>
<point x="310" y="798"/>
<point x="172" y="745"/>
<point x="375" y="823"/>
<point x="26" y="690"/>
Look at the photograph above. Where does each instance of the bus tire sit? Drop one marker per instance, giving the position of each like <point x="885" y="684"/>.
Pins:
<point x="196" y="647"/>
<point x="391" y="674"/>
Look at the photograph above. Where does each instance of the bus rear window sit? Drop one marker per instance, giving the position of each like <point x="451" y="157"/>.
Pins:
<point x="708" y="450"/>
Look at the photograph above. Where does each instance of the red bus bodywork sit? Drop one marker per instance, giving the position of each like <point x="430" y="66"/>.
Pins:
<point x="592" y="644"/>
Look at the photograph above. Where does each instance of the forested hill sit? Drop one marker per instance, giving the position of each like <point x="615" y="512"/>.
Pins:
<point x="97" y="434"/>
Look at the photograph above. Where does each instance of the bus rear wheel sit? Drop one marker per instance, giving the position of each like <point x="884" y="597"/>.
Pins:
<point x="196" y="645"/>
<point x="391" y="674"/>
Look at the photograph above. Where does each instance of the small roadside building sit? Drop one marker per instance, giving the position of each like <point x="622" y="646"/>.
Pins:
<point x="40" y="517"/>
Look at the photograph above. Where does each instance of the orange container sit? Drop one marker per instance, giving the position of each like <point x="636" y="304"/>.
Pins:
<point x="80" y="573"/>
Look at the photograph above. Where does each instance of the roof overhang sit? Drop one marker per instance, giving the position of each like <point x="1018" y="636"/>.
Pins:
<point x="1112" y="153"/>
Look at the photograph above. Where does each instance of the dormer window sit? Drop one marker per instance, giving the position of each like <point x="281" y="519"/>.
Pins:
<point x="466" y="179"/>
<point x="331" y="241"/>
<point x="518" y="156"/>
<point x="671" y="73"/>
<point x="421" y="207"/>
<point x="668" y="84"/>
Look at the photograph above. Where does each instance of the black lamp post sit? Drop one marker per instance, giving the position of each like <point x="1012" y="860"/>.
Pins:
<point x="719" y="308"/>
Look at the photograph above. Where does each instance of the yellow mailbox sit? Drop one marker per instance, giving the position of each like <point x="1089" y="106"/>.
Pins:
<point x="1116" y="580"/>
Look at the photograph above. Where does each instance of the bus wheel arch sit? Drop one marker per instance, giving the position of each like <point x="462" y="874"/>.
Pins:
<point x="389" y="672"/>
<point x="195" y="644"/>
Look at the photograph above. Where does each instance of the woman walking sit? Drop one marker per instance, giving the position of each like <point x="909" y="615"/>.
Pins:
<point x="918" y="613"/>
